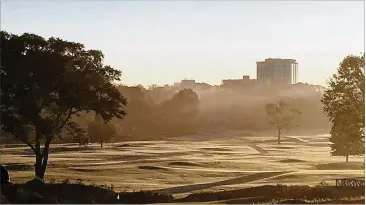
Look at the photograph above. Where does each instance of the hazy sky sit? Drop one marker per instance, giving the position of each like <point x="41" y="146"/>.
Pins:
<point x="162" y="42"/>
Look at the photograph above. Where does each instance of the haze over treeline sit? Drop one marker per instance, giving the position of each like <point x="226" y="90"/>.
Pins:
<point x="161" y="112"/>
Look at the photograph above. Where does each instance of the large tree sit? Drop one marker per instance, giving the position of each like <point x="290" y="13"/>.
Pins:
<point x="282" y="116"/>
<point x="44" y="82"/>
<point x="344" y="103"/>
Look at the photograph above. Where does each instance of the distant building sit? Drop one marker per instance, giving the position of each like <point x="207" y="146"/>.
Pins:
<point x="278" y="71"/>
<point x="188" y="84"/>
<point x="192" y="84"/>
<point x="240" y="83"/>
<point x="246" y="77"/>
<point x="203" y="86"/>
<point x="232" y="83"/>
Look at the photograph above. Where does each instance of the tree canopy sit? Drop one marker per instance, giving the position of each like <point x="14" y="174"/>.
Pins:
<point x="344" y="103"/>
<point x="44" y="82"/>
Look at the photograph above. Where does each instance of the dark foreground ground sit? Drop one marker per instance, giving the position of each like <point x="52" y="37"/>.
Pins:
<point x="81" y="194"/>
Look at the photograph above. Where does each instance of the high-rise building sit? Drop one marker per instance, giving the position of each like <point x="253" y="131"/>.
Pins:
<point x="278" y="71"/>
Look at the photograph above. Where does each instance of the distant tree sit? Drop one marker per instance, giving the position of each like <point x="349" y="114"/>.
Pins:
<point x="180" y="113"/>
<point x="78" y="134"/>
<point x="141" y="86"/>
<point x="153" y="86"/>
<point x="133" y="94"/>
<point x="45" y="82"/>
<point x="159" y="94"/>
<point x="138" y="110"/>
<point x="282" y="116"/>
<point x="99" y="131"/>
<point x="344" y="103"/>
<point x="185" y="102"/>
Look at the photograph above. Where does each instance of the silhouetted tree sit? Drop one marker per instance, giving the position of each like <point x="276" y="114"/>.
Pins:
<point x="344" y="103"/>
<point x="153" y="86"/>
<point x="158" y="94"/>
<point x="138" y="110"/>
<point x="45" y="82"/>
<point x="179" y="114"/>
<point x="98" y="131"/>
<point x="282" y="116"/>
<point x="77" y="133"/>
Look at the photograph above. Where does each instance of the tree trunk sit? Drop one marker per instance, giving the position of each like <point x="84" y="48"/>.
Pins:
<point x="37" y="152"/>
<point x="41" y="159"/>
<point x="347" y="158"/>
<point x="279" y="136"/>
<point x="38" y="166"/>
<point x="45" y="158"/>
<point x="101" y="144"/>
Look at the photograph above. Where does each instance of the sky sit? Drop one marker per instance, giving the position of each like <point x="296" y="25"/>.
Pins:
<point x="162" y="42"/>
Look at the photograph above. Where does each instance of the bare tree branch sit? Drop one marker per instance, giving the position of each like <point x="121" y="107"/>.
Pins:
<point x="68" y="117"/>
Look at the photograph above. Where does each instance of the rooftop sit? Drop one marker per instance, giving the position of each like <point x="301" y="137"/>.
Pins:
<point x="277" y="60"/>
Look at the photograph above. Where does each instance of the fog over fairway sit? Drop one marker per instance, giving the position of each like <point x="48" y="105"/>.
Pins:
<point x="189" y="164"/>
